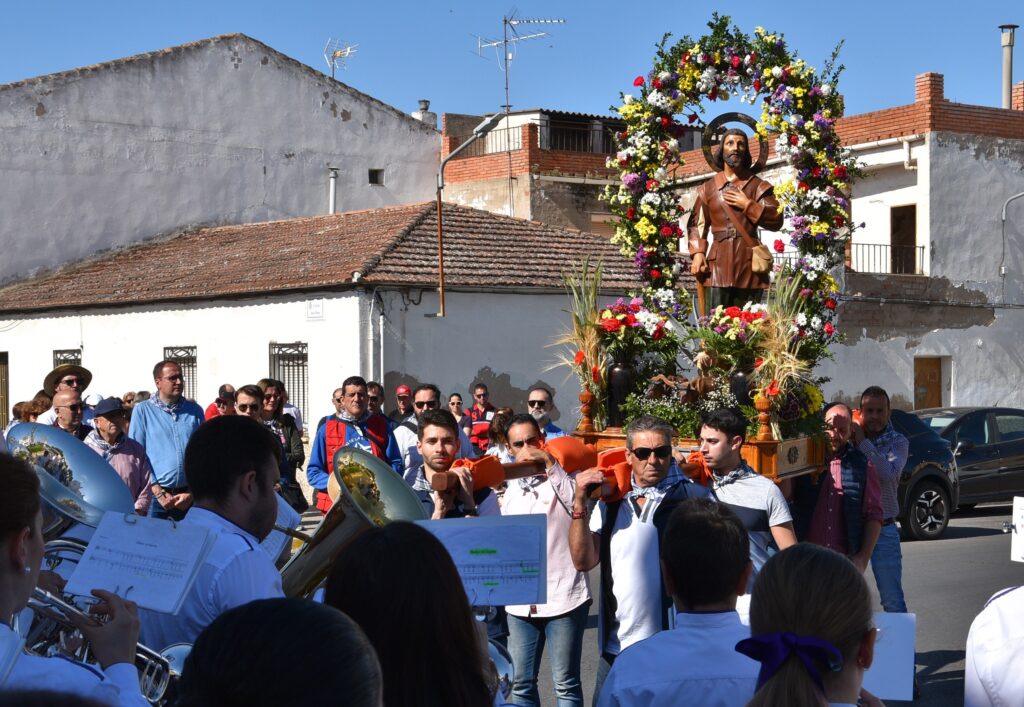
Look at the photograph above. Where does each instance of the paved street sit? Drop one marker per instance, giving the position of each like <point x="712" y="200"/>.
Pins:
<point x="946" y="582"/>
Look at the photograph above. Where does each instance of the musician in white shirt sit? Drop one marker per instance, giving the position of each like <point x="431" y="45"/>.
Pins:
<point x="115" y="680"/>
<point x="231" y="464"/>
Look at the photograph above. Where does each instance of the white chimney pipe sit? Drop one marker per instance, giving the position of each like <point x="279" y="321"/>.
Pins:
<point x="332" y="190"/>
<point x="1006" y="39"/>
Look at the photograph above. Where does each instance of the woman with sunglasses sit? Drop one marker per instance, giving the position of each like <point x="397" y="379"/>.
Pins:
<point x="284" y="428"/>
<point x="455" y="408"/>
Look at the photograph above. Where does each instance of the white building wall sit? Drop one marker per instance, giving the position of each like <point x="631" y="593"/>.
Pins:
<point x="120" y="347"/>
<point x="225" y="132"/>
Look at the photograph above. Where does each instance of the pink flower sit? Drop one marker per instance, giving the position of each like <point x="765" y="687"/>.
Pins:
<point x="829" y="329"/>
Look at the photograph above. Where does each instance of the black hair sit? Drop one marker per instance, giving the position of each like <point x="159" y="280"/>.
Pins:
<point x="374" y="385"/>
<point x="404" y="605"/>
<point x="731" y="421"/>
<point x="237" y="660"/>
<point x="252" y="390"/>
<point x="158" y="369"/>
<point x="719" y="155"/>
<point x="437" y="418"/>
<point x="225" y="448"/>
<point x="875" y="391"/>
<point x="521" y="419"/>
<point x="428" y="386"/>
<point x="704" y="551"/>
<point x="353" y="380"/>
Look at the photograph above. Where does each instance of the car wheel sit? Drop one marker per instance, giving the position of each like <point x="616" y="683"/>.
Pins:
<point x="927" y="511"/>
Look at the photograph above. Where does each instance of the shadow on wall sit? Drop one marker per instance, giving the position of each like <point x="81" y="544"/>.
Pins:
<point x="499" y="385"/>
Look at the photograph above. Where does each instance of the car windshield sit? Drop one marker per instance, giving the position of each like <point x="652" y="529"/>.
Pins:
<point x="938" y="421"/>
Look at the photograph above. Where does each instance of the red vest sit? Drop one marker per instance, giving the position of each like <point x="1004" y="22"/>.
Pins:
<point x="336" y="437"/>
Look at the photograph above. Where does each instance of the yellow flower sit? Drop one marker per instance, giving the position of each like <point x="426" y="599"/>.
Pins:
<point x="645" y="228"/>
<point x="818" y="227"/>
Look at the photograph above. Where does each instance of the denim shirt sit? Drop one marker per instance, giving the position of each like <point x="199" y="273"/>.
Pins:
<point x="164" y="436"/>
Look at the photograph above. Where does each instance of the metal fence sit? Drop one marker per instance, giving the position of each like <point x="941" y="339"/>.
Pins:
<point x="62" y="356"/>
<point x="289" y="363"/>
<point x="495" y="141"/>
<point x="185" y="357"/>
<point x="577" y="138"/>
<point x="885" y="259"/>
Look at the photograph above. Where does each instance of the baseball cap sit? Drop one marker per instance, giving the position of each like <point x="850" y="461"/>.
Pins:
<point x="403" y="390"/>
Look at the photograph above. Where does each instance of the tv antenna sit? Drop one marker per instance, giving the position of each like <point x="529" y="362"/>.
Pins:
<point x="508" y="45"/>
<point x="336" y="52"/>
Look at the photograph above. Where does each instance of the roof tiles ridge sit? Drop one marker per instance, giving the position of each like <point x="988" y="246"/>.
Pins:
<point x="375" y="259"/>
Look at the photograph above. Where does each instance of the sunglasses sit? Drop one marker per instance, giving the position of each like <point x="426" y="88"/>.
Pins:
<point x="661" y="452"/>
<point x="537" y="403"/>
<point x="71" y="381"/>
<point x="372" y="398"/>
<point x="531" y="441"/>
<point x="75" y="407"/>
<point x="429" y="404"/>
<point x="481" y="395"/>
<point x="246" y="407"/>
<point x="337" y="400"/>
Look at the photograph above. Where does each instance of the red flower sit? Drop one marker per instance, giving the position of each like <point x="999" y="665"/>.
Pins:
<point x="757" y="84"/>
<point x="580" y="358"/>
<point x="753" y="57"/>
<point x="611" y="324"/>
<point x="659" y="333"/>
<point x="630" y="320"/>
<point x="665" y="121"/>
<point x="758" y="362"/>
<point x="736" y="61"/>
<point x="692" y="118"/>
<point x="655" y="274"/>
<point x="595" y="373"/>
<point x="772" y="390"/>
<point x="714" y="93"/>
<point x="829" y="329"/>
<point x="839" y="221"/>
<point x="733" y="312"/>
<point x="686" y="58"/>
<point x="666" y="231"/>
<point x="630" y="213"/>
<point x="656" y="83"/>
<point x="840" y="172"/>
<point x="802" y="186"/>
<point x="652" y="184"/>
<point x="830" y="303"/>
<point x="816" y="172"/>
<point x="779" y="245"/>
<point x="638" y="81"/>
<point x="794" y="139"/>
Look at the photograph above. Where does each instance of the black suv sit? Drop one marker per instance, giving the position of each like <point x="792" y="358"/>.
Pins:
<point x="929" y="489"/>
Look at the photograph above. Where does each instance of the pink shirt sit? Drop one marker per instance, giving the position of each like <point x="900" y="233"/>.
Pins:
<point x="567" y="588"/>
<point x="131" y="463"/>
<point x="828" y="525"/>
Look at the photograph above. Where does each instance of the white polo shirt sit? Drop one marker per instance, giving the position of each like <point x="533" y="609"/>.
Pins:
<point x="995" y="652"/>
<point x="636" y="575"/>
<point x="237" y="571"/>
<point x="695" y="663"/>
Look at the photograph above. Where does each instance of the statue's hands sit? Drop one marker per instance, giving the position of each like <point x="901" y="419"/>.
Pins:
<point x="735" y="197"/>
<point x="699" y="266"/>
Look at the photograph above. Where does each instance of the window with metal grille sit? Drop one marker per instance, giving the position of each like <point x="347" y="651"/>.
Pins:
<point x="289" y="363"/>
<point x="5" y="397"/>
<point x="61" y="356"/>
<point x="185" y="357"/>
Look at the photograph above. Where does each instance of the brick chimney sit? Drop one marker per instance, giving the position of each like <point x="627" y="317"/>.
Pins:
<point x="1017" y="96"/>
<point x="928" y="88"/>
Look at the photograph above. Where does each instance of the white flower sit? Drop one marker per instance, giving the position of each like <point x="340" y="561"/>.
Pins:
<point x="672" y="145"/>
<point x="826" y="89"/>
<point x="627" y="99"/>
<point x="664" y="75"/>
<point x="660" y="174"/>
<point x="801" y="319"/>
<point x="816" y="322"/>
<point x="777" y="72"/>
<point x="659" y="100"/>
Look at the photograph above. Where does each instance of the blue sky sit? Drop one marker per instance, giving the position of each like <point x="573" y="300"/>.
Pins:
<point x="411" y="50"/>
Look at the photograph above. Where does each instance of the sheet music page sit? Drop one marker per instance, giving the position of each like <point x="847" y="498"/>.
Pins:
<point x="287" y="517"/>
<point x="150" y="561"/>
<point x="501" y="559"/>
<point x="891" y="675"/>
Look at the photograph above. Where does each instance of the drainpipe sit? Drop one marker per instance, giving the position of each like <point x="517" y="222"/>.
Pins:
<point x="1002" y="258"/>
<point x="1006" y="39"/>
<point x="332" y="189"/>
<point x="478" y="132"/>
<point x="909" y="163"/>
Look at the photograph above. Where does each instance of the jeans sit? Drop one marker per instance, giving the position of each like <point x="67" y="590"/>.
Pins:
<point x="887" y="566"/>
<point x="158" y="511"/>
<point x="564" y="634"/>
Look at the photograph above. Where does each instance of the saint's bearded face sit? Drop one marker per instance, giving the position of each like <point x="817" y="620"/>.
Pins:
<point x="735" y="150"/>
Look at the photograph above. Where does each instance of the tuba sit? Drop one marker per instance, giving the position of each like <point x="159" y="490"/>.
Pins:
<point x="76" y="484"/>
<point x="53" y="631"/>
<point x="366" y="492"/>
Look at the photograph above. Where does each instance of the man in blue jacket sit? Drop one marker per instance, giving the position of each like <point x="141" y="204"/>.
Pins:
<point x="163" y="425"/>
<point x="353" y="426"/>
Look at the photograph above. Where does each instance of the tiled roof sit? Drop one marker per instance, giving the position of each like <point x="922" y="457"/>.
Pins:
<point x="388" y="246"/>
<point x="72" y="74"/>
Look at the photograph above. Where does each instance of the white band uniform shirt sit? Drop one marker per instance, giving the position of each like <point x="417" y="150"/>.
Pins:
<point x="553" y="496"/>
<point x="995" y="653"/>
<point x="695" y="663"/>
<point x="117" y="686"/>
<point x="235" y="572"/>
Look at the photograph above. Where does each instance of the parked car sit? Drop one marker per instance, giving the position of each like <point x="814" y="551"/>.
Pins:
<point x="929" y="490"/>
<point x="988" y="443"/>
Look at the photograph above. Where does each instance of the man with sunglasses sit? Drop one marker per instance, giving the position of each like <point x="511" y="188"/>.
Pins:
<point x="480" y="414"/>
<point x="756" y="499"/>
<point x="68" y="407"/>
<point x="540" y="401"/>
<point x="67" y="376"/>
<point x="163" y="425"/>
<point x="224" y="404"/>
<point x="375" y="398"/>
<point x="426" y="397"/>
<point x="558" y="624"/>
<point x="624" y="537"/>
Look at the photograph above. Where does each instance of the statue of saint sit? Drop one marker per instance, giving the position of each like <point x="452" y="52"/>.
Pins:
<point x="732" y="206"/>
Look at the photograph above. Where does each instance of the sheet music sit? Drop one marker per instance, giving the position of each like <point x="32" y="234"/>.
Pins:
<point x="501" y="559"/>
<point x="287" y="517"/>
<point x="150" y="561"/>
<point x="1017" y="530"/>
<point x="891" y="675"/>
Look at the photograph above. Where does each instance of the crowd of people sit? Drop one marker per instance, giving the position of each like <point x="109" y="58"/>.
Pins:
<point x="716" y="586"/>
